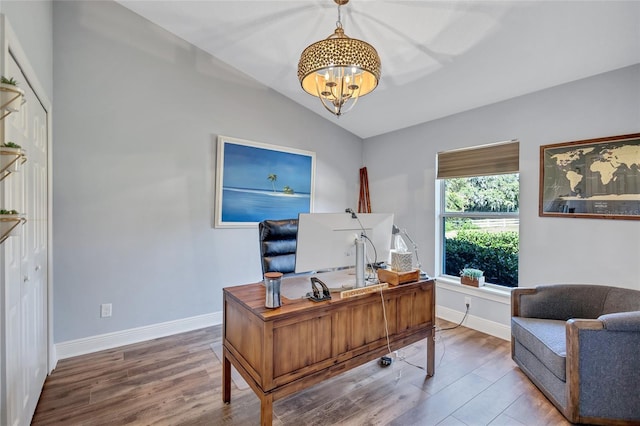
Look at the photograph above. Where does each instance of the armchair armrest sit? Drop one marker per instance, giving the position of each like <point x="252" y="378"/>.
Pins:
<point x="603" y="368"/>
<point x="621" y="321"/>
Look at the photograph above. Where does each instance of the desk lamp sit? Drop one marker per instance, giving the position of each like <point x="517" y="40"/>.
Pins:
<point x="401" y="246"/>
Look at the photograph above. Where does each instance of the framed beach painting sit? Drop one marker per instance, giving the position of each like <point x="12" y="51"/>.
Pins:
<point x="593" y="178"/>
<point x="257" y="181"/>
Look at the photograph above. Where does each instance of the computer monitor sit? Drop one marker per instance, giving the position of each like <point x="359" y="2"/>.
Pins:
<point x="326" y="241"/>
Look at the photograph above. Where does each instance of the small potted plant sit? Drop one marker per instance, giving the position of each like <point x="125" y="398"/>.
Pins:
<point x="11" y="96"/>
<point x="11" y="155"/>
<point x="471" y="276"/>
<point x="9" y="221"/>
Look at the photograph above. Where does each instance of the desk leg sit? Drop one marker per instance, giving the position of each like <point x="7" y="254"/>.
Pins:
<point x="226" y="377"/>
<point x="431" y="352"/>
<point x="266" y="410"/>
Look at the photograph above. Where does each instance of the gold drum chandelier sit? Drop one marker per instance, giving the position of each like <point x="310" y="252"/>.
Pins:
<point x="339" y="69"/>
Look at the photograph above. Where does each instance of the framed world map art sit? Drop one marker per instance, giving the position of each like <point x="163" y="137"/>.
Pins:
<point x="594" y="178"/>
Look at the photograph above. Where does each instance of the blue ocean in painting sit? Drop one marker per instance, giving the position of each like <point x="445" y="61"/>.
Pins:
<point x="251" y="205"/>
<point x="255" y="180"/>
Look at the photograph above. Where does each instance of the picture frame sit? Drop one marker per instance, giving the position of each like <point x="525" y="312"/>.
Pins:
<point x="593" y="178"/>
<point x="257" y="181"/>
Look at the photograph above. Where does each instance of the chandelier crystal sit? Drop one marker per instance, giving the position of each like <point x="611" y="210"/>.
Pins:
<point x="339" y="69"/>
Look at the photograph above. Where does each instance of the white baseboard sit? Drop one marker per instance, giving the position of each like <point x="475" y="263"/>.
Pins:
<point x="134" y="335"/>
<point x="483" y="325"/>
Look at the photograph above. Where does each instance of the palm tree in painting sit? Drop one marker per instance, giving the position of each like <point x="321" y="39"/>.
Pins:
<point x="272" y="178"/>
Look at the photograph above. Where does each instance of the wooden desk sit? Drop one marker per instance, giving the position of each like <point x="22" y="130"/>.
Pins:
<point x="282" y="351"/>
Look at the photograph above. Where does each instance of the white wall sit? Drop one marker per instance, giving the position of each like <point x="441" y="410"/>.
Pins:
<point x="401" y="168"/>
<point x="137" y="114"/>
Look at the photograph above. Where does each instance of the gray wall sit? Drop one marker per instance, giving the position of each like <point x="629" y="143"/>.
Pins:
<point x="137" y="111"/>
<point x="134" y="166"/>
<point x="32" y="23"/>
<point x="401" y="168"/>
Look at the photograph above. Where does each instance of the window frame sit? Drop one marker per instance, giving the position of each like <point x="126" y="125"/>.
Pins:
<point x="443" y="214"/>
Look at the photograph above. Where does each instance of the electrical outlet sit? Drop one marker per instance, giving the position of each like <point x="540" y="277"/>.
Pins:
<point x="467" y="301"/>
<point x="105" y="310"/>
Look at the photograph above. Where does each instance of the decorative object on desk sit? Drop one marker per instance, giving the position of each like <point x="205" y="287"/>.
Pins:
<point x="472" y="277"/>
<point x="11" y="96"/>
<point x="339" y="69"/>
<point x="315" y="294"/>
<point x="272" y="281"/>
<point x="401" y="262"/>
<point x="593" y="178"/>
<point x="395" y="278"/>
<point x="257" y="181"/>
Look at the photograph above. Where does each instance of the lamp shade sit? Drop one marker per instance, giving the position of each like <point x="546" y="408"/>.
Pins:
<point x="339" y="70"/>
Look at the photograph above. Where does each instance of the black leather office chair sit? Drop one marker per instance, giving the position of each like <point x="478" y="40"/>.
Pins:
<point x="278" y="245"/>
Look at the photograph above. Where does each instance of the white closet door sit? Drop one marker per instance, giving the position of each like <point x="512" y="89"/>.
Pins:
<point x="26" y="259"/>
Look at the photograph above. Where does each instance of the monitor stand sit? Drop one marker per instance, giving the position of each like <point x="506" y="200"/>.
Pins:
<point x="360" y="265"/>
<point x="295" y="287"/>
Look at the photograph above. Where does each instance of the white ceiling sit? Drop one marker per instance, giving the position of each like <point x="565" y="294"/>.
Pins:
<point x="438" y="57"/>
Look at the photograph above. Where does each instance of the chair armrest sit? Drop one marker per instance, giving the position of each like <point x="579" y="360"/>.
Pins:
<point x="516" y="296"/>
<point x="603" y="367"/>
<point x="621" y="321"/>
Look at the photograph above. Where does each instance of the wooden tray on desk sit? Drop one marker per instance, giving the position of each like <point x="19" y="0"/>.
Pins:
<point x="394" y="278"/>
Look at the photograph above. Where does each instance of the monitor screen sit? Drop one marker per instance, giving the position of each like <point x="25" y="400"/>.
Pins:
<point x="327" y="240"/>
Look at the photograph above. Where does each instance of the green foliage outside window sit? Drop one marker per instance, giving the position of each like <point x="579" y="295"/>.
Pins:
<point x="499" y="193"/>
<point x="496" y="253"/>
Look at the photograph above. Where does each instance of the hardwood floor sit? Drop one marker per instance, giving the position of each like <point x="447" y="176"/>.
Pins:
<point x="177" y="381"/>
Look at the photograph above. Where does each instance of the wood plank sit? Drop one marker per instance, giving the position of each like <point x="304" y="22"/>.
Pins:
<point x="440" y="405"/>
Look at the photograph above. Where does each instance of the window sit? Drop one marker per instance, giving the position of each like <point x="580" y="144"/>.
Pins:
<point x="479" y="205"/>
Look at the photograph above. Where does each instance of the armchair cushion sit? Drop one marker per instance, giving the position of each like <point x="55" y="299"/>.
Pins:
<point x="546" y="340"/>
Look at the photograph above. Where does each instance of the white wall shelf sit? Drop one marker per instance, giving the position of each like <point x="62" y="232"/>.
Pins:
<point x="10" y="160"/>
<point x="9" y="225"/>
<point x="11" y="99"/>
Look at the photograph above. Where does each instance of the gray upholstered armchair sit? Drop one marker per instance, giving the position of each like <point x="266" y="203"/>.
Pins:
<point x="580" y="345"/>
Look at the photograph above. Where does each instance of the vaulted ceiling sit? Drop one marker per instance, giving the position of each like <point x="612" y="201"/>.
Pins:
<point x="438" y="57"/>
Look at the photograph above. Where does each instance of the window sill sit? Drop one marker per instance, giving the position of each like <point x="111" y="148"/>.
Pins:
<point x="490" y="292"/>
